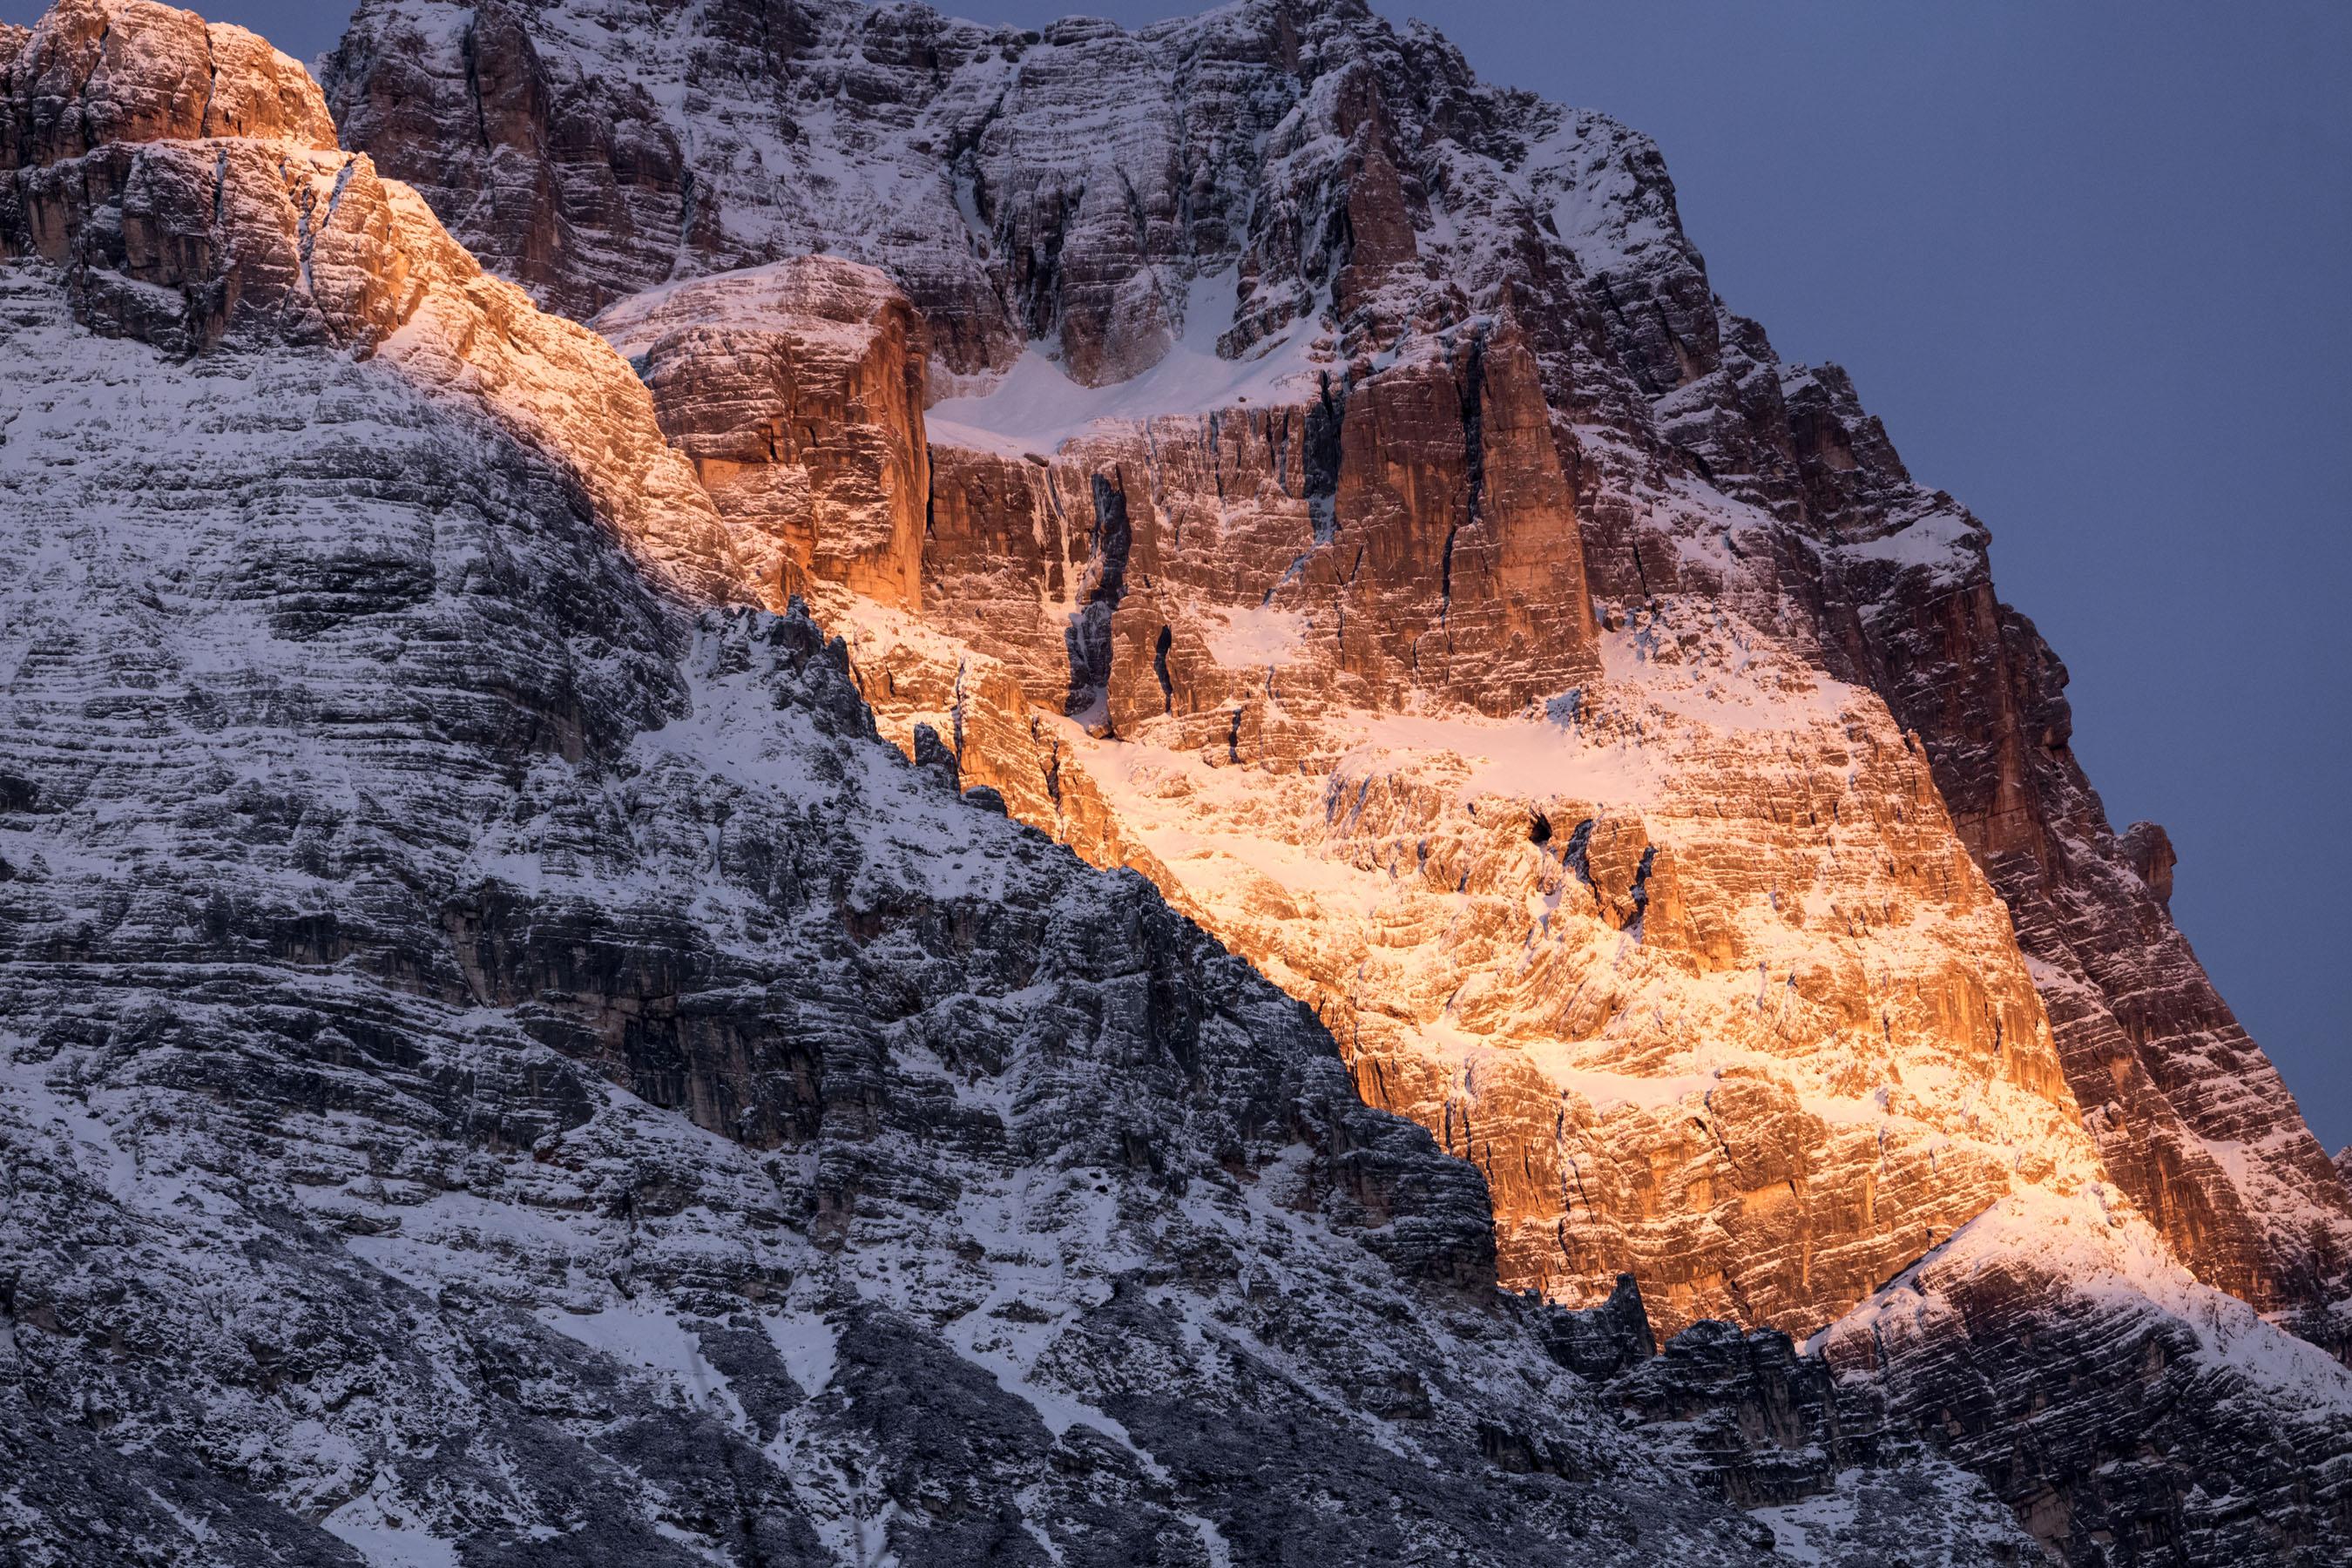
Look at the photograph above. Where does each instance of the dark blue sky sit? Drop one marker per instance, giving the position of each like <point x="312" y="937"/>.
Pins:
<point x="2090" y="263"/>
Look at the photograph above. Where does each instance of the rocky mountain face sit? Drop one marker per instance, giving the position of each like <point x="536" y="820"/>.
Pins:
<point x="1558" y="1004"/>
<point x="504" y="1064"/>
<point x="1703" y="862"/>
<point x="1222" y="751"/>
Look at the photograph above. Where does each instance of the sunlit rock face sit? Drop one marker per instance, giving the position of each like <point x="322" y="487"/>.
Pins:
<point x="797" y="390"/>
<point x="1287" y="525"/>
<point x="1689" y="960"/>
<point x="2190" y="1116"/>
<point x="183" y="185"/>
<point x="1894" y="588"/>
<point x="1196" y="563"/>
<point x="1703" y="927"/>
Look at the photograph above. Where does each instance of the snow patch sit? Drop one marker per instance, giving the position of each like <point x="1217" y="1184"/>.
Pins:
<point x="1533" y="759"/>
<point x="640" y="1335"/>
<point x="375" y="1528"/>
<point x="1254" y="636"/>
<point x="1035" y="407"/>
<point x="808" y="1344"/>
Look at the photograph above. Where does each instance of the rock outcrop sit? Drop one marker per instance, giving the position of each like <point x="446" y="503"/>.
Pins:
<point x="1891" y="585"/>
<point x="805" y="424"/>
<point x="182" y="180"/>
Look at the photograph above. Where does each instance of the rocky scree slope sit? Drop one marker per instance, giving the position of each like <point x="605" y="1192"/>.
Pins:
<point x="502" y="1065"/>
<point x="1701" y="974"/>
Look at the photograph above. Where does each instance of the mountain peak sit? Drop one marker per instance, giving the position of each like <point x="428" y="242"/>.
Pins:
<point x="92" y="73"/>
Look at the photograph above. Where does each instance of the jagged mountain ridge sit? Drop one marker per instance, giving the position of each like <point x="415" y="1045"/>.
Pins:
<point x="2193" y="1391"/>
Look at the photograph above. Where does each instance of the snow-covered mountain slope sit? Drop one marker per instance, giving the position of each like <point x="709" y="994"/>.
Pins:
<point x="498" y="1063"/>
<point x="503" y="1065"/>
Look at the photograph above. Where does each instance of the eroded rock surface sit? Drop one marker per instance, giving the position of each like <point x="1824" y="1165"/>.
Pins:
<point x="1688" y="963"/>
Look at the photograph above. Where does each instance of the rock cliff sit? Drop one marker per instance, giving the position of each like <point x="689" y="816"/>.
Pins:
<point x="1752" y="931"/>
<point x="503" y="1061"/>
<point x="1693" y="966"/>
<point x="1315" y="235"/>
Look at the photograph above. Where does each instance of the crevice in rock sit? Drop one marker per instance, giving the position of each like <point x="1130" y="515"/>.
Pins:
<point x="1474" y="420"/>
<point x="470" y="49"/>
<point x="1321" y="451"/>
<point x="1446" y="586"/>
<point x="1104" y="584"/>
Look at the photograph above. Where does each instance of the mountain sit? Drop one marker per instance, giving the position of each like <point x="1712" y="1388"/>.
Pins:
<point x="506" y="1062"/>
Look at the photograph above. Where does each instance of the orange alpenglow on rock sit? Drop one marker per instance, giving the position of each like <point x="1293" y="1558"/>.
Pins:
<point x="1743" y="1020"/>
<point x="797" y="390"/>
<point x="1336" y="554"/>
<point x="185" y="180"/>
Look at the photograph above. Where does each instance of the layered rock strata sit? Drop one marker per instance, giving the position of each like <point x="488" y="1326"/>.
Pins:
<point x="1087" y="657"/>
<point x="805" y="426"/>
<point x="2192" y="1121"/>
<point x="183" y="183"/>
